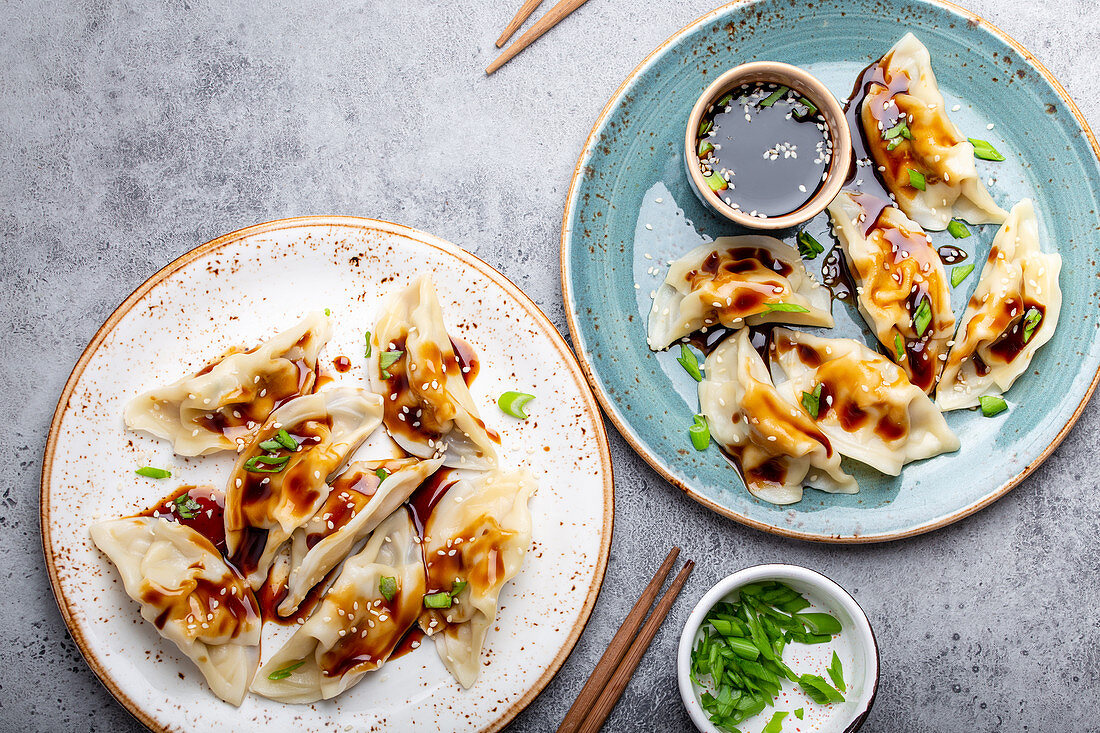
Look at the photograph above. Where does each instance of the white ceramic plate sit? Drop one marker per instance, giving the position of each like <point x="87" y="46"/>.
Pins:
<point x="239" y="289"/>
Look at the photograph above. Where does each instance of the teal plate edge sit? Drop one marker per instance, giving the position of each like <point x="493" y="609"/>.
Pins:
<point x="635" y="145"/>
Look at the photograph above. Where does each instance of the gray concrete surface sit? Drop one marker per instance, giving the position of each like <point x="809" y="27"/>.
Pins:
<point x="132" y="132"/>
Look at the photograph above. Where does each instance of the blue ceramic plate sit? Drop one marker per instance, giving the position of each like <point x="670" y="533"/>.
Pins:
<point x="630" y="211"/>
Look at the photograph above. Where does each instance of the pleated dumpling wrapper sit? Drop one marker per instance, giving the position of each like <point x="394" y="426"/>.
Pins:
<point x="925" y="161"/>
<point x="736" y="282"/>
<point x="219" y="407"/>
<point x="359" y="499"/>
<point x="778" y="446"/>
<point x="358" y="624"/>
<point x="902" y="289"/>
<point x="414" y="365"/>
<point x="475" y="539"/>
<point x="1012" y="313"/>
<point x="279" y="480"/>
<point x="861" y="400"/>
<point x="195" y="600"/>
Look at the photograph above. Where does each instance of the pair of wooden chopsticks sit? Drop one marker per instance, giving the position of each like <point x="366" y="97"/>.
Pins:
<point x="613" y="671"/>
<point x="553" y="16"/>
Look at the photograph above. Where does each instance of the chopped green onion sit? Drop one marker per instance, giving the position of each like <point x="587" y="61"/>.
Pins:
<point x="992" y="405"/>
<point x="923" y="317"/>
<point x="818" y="690"/>
<point x="382" y="474"/>
<point x="836" y="673"/>
<point x="1031" y="321"/>
<point x="784" y="308"/>
<point x="808" y="105"/>
<point x="705" y="146"/>
<point x="690" y="362"/>
<point x="985" y="151"/>
<point x="458" y="587"/>
<point x="699" y="433"/>
<point x="724" y="101"/>
<point x="820" y="623"/>
<point x="716" y="182"/>
<point x="387" y="586"/>
<point x="271" y="445"/>
<point x="957" y="229"/>
<point x="328" y="312"/>
<point x="438" y="600"/>
<point x="366" y="353"/>
<point x="812" y="401"/>
<point x="286" y="440"/>
<point x="808" y="247"/>
<point x="958" y="274"/>
<point x="512" y="403"/>
<point x="775" y="725"/>
<point x="150" y="472"/>
<point x="279" y="463"/>
<point x="899" y="131"/>
<point x="186" y="507"/>
<point x="798" y="713"/>
<point x="387" y="359"/>
<point x="899" y="346"/>
<point x="705" y="127"/>
<point x="282" y="674"/>
<point x="916" y="180"/>
<point x="774" y="97"/>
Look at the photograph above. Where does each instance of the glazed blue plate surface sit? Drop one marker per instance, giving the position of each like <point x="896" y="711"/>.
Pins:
<point x="631" y="210"/>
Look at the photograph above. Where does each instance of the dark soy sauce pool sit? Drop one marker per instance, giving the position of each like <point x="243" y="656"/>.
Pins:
<point x="763" y="150"/>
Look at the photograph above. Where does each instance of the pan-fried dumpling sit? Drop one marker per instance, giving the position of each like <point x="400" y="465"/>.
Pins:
<point x="907" y="129"/>
<point x="376" y="599"/>
<point x="414" y="365"/>
<point x="1013" y="312"/>
<point x="866" y="405"/>
<point x="474" y="542"/>
<point x="779" y="447"/>
<point x="279" y="479"/>
<point x="359" y="499"/>
<point x="191" y="595"/>
<point x="734" y="282"/>
<point x="217" y="408"/>
<point x="901" y="285"/>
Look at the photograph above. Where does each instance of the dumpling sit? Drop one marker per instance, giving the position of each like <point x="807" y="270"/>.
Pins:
<point x="279" y="479"/>
<point x="736" y="281"/>
<point x="866" y="405"/>
<point x="779" y="447"/>
<point x="1013" y="312"/>
<point x="361" y="620"/>
<point x="359" y="499"/>
<point x="474" y="542"/>
<point x="217" y="408"/>
<point x="191" y="595"/>
<point x="413" y="364"/>
<point x="901" y="288"/>
<point x="906" y="127"/>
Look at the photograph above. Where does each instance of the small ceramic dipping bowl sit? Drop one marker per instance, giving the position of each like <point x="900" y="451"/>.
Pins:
<point x="855" y="645"/>
<point x="804" y="84"/>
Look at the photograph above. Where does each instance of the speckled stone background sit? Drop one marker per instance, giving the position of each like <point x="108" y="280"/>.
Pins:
<point x="132" y="132"/>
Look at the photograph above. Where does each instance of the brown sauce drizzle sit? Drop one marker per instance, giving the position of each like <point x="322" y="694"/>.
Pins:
<point x="272" y="593"/>
<point x="870" y="178"/>
<point x="250" y="549"/>
<point x="208" y="519"/>
<point x="950" y="254"/>
<point x="1011" y="342"/>
<point x="424" y="499"/>
<point x="835" y="275"/>
<point x="341" y="364"/>
<point x="237" y="419"/>
<point x="232" y="613"/>
<point x="409" y="643"/>
<point x="468" y="363"/>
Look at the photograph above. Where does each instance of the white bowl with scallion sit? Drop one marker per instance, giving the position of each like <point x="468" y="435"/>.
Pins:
<point x="776" y="648"/>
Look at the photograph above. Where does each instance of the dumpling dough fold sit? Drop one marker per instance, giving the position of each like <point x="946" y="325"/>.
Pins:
<point x="195" y="600"/>
<point x="216" y="409"/>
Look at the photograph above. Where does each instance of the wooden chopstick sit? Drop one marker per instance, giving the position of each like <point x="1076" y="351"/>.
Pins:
<point x="595" y="718"/>
<point x="521" y="17"/>
<point x="553" y="16"/>
<point x="618" y="647"/>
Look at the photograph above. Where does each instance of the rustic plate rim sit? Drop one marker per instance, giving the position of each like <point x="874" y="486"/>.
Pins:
<point x="623" y="426"/>
<point x="354" y="222"/>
